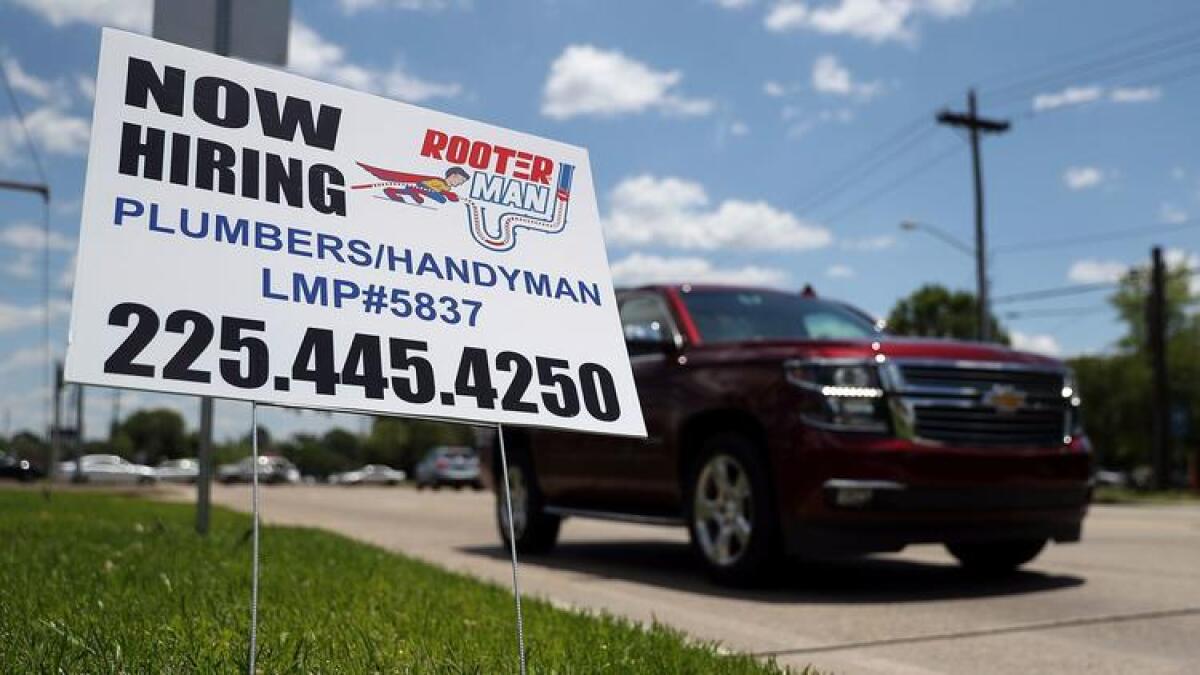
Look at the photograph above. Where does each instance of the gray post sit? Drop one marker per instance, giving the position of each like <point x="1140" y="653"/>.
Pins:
<point x="1156" y="334"/>
<point x="974" y="124"/>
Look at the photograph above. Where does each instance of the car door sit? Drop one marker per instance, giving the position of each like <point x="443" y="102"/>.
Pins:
<point x="640" y="474"/>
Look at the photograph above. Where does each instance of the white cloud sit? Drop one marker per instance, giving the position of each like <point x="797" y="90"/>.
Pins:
<point x="129" y="14"/>
<point x="24" y="267"/>
<point x="733" y="4"/>
<point x="638" y="268"/>
<point x="352" y="6"/>
<point x="587" y="80"/>
<point x="1177" y="258"/>
<point x="1135" y="94"/>
<point x="774" y="89"/>
<point x="1096" y="271"/>
<point x="802" y="123"/>
<point x="66" y="279"/>
<point x="33" y="238"/>
<point x="23" y="358"/>
<point x="1083" y="177"/>
<point x="54" y="131"/>
<point x="739" y="128"/>
<point x="872" y="20"/>
<point x="839" y="272"/>
<point x="1172" y="215"/>
<point x="311" y="55"/>
<point x="26" y="83"/>
<point x="15" y="317"/>
<point x="675" y="212"/>
<point x="829" y="76"/>
<point x="86" y="84"/>
<point x="872" y="243"/>
<point x="1067" y="97"/>
<point x="1032" y="342"/>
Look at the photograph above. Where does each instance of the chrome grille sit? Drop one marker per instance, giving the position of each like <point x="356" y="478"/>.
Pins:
<point x="951" y="402"/>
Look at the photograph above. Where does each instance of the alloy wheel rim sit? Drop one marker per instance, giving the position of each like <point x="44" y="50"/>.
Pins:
<point x="722" y="511"/>
<point x="520" y="502"/>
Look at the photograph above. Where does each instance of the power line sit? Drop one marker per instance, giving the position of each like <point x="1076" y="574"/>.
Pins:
<point x="1105" y="67"/>
<point x="912" y="173"/>
<point x="1053" y="313"/>
<point x="853" y="172"/>
<point x="33" y="152"/>
<point x="1110" y="235"/>
<point x="1156" y="29"/>
<point x="1078" y="289"/>
<point x="1056" y="292"/>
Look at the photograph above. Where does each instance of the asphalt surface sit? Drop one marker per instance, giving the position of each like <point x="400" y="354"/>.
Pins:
<point x="1125" y="600"/>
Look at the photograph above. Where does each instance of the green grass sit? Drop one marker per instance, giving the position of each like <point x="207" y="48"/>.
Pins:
<point x="1115" y="495"/>
<point x="95" y="583"/>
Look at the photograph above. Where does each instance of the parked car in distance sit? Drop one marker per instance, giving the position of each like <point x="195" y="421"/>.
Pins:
<point x="183" y="470"/>
<point x="106" y="469"/>
<point x="271" y="469"/>
<point x="782" y="424"/>
<point x="371" y="474"/>
<point x="15" y="468"/>
<point x="449" y="465"/>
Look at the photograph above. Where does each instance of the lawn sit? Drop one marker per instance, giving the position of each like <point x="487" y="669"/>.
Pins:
<point x="97" y="583"/>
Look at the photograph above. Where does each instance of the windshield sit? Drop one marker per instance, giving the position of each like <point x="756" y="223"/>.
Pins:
<point x="729" y="315"/>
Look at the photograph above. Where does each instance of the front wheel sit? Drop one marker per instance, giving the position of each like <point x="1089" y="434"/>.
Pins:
<point x="533" y="530"/>
<point x="730" y="514"/>
<point x="996" y="557"/>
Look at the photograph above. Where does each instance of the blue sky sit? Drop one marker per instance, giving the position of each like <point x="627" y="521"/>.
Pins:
<point x="715" y="129"/>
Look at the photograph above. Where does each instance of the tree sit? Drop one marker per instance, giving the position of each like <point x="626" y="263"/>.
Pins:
<point x="402" y="443"/>
<point x="155" y="435"/>
<point x="936" y="311"/>
<point x="1116" y="387"/>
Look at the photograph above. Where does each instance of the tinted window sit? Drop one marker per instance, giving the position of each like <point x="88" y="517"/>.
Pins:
<point x="737" y="316"/>
<point x="644" y="318"/>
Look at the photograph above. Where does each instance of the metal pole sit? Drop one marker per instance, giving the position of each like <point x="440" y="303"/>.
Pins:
<point x="981" y="286"/>
<point x="512" y="545"/>
<point x="1156" y="315"/>
<point x="254" y="536"/>
<point x="204" y="459"/>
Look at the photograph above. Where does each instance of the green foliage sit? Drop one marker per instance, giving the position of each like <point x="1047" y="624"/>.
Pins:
<point x="104" y="584"/>
<point x="153" y="435"/>
<point x="1116" y="388"/>
<point x="936" y="311"/>
<point x="401" y="443"/>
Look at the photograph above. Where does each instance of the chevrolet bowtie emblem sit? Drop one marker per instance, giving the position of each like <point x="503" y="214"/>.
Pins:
<point x="1004" y="398"/>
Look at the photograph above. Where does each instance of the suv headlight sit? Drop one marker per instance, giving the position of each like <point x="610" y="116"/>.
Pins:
<point x="846" y="396"/>
<point x="1073" y="403"/>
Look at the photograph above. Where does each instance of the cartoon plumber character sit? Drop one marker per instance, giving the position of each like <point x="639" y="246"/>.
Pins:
<point x="401" y="186"/>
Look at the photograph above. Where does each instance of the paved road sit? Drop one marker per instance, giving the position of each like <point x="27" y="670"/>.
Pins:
<point x="1126" y="600"/>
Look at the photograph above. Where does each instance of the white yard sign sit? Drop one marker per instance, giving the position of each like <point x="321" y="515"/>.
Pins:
<point x="251" y="234"/>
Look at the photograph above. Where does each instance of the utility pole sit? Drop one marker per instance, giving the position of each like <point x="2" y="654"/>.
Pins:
<point x="975" y="125"/>
<point x="1156" y="334"/>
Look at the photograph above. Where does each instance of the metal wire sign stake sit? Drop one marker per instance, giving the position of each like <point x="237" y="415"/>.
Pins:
<point x="253" y="536"/>
<point x="512" y="545"/>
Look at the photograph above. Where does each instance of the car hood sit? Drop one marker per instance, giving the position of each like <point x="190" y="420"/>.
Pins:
<point x="888" y="346"/>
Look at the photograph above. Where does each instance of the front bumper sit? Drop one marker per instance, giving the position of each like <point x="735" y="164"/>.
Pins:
<point x="855" y="495"/>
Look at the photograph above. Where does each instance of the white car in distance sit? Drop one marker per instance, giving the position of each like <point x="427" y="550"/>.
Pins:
<point x="107" y="469"/>
<point x="371" y="474"/>
<point x="184" y="470"/>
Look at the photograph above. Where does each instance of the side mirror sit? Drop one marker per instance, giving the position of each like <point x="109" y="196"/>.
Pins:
<point x="643" y="346"/>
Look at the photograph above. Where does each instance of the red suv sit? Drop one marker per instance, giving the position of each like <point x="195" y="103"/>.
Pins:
<point x="783" y="424"/>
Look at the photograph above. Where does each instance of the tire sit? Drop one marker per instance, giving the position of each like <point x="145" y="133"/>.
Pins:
<point x="730" y="514"/>
<point x="535" y="530"/>
<point x="995" y="557"/>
